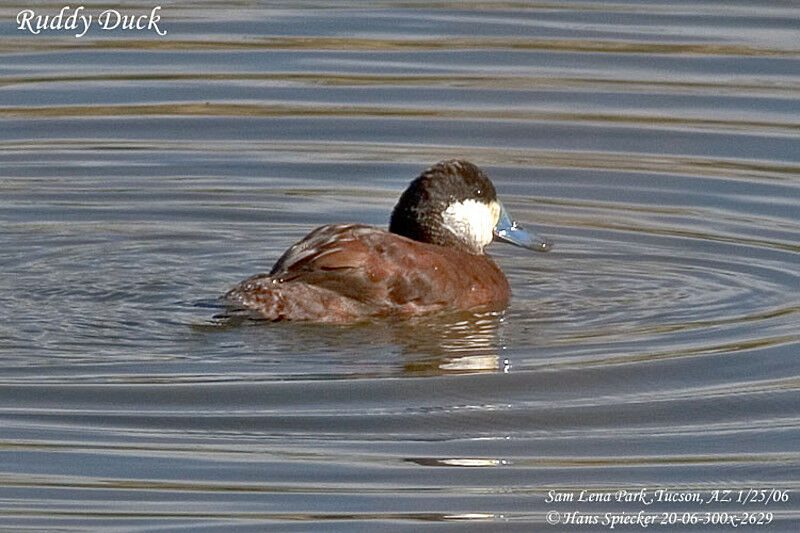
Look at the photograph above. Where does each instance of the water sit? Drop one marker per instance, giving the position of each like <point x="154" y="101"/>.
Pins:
<point x="656" y="346"/>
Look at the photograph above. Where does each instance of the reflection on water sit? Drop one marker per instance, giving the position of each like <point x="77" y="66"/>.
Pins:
<point x="655" y="347"/>
<point x="428" y="345"/>
<point x="450" y="345"/>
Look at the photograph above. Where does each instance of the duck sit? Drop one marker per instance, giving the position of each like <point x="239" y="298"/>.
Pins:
<point x="431" y="259"/>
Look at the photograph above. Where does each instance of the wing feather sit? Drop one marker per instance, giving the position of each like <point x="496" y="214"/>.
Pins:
<point x="383" y="271"/>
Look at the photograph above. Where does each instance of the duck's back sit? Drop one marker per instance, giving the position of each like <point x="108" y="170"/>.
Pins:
<point x="347" y="272"/>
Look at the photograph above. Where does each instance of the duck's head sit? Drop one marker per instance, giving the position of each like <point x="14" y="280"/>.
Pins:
<point x="454" y="204"/>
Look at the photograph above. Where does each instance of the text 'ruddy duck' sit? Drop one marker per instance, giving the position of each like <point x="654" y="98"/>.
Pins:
<point x="79" y="20"/>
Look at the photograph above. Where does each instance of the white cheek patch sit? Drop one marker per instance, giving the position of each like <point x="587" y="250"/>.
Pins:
<point x="472" y="221"/>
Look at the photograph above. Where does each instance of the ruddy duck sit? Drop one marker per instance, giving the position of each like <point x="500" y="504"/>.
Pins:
<point x="431" y="260"/>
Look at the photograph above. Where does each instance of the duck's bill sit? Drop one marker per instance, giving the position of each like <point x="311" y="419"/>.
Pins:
<point x="508" y="231"/>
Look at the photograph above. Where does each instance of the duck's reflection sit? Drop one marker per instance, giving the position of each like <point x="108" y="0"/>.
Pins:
<point x="455" y="344"/>
<point x="429" y="345"/>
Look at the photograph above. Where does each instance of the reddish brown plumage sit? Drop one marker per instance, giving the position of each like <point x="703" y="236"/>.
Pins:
<point x="347" y="272"/>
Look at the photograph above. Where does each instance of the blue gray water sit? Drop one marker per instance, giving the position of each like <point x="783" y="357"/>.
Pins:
<point x="656" y="347"/>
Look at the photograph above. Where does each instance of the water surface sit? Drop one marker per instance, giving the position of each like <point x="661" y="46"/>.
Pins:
<point x="655" y="347"/>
